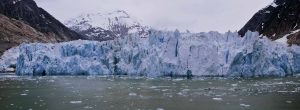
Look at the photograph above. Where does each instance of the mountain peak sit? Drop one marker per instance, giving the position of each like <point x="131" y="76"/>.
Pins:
<point x="104" y="19"/>
<point x="106" y="25"/>
<point x="277" y="20"/>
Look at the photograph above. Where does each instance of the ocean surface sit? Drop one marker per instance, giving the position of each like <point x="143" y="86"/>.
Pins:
<point x="139" y="93"/>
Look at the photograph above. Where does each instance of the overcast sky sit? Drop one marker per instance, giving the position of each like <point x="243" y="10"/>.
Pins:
<point x="194" y="15"/>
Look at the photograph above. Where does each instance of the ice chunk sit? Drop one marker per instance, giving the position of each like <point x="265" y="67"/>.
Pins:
<point x="218" y="99"/>
<point x="159" y="109"/>
<point x="244" y="105"/>
<point x="132" y="94"/>
<point x="23" y="94"/>
<point x="75" y="102"/>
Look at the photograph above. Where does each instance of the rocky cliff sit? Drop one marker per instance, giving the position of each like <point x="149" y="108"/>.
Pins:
<point x="14" y="32"/>
<point x="23" y="21"/>
<point x="281" y="19"/>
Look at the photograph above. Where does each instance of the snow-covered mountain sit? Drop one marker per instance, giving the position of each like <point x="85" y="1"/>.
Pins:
<point x="106" y="26"/>
<point x="160" y="54"/>
<point x="278" y="21"/>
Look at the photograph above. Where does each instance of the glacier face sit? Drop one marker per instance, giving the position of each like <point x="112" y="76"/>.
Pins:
<point x="163" y="54"/>
<point x="8" y="60"/>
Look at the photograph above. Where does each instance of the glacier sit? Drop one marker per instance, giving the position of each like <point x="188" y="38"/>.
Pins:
<point x="161" y="53"/>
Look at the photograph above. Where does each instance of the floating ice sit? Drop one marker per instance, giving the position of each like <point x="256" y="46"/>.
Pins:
<point x="23" y="94"/>
<point x="217" y="99"/>
<point x="244" y="105"/>
<point x="159" y="109"/>
<point x="75" y="102"/>
<point x="88" y="107"/>
<point x="132" y="94"/>
<point x="234" y="85"/>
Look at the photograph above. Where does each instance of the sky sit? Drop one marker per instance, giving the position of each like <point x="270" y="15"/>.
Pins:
<point x="192" y="15"/>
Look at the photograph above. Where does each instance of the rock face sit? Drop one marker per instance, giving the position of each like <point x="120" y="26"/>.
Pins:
<point x="14" y="32"/>
<point x="162" y="54"/>
<point x="23" y="21"/>
<point x="106" y="26"/>
<point x="279" y="19"/>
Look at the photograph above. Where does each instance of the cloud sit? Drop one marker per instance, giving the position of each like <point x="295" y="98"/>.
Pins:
<point x="195" y="15"/>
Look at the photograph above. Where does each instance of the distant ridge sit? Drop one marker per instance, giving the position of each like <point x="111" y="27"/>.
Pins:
<point x="107" y="25"/>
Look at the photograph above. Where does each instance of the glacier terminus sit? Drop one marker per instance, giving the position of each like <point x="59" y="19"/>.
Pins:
<point x="161" y="53"/>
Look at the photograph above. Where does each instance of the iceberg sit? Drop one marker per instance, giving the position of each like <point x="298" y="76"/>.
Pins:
<point x="161" y="53"/>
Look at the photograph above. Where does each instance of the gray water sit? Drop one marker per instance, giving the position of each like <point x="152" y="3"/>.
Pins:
<point x="129" y="93"/>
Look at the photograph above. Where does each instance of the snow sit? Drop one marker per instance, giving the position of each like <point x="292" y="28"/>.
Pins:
<point x="274" y="5"/>
<point x="295" y="26"/>
<point x="43" y="16"/>
<point x="104" y="20"/>
<point x="16" y="1"/>
<point x="284" y="39"/>
<point x="119" y="22"/>
<point x="161" y="53"/>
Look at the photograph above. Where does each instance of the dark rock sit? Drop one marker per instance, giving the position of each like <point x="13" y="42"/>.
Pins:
<point x="38" y="18"/>
<point x="23" y="21"/>
<point x="14" y="32"/>
<point x="277" y="20"/>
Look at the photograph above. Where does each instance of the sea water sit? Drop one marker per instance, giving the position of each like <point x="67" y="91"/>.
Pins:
<point x="138" y="93"/>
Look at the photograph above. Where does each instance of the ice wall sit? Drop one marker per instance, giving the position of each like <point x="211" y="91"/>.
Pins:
<point x="163" y="54"/>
